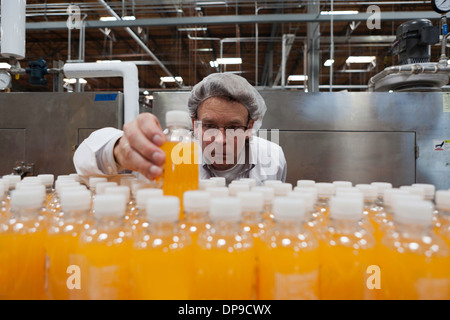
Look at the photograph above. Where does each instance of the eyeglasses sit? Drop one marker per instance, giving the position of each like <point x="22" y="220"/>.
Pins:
<point x="207" y="126"/>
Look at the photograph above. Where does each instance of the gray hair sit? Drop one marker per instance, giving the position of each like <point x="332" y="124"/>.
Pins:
<point x="233" y="87"/>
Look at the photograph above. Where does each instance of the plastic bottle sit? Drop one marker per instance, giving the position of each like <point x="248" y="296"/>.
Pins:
<point x="4" y="201"/>
<point x="381" y="187"/>
<point x="196" y="213"/>
<point x="22" y="248"/>
<point x="289" y="255"/>
<point x="347" y="252"/>
<point x="181" y="170"/>
<point x="268" y="194"/>
<point x="162" y="254"/>
<point x="282" y="189"/>
<point x="306" y="183"/>
<point x="415" y="262"/>
<point x="225" y="264"/>
<point x="139" y="221"/>
<point x="325" y="191"/>
<point x="62" y="241"/>
<point x="105" y="251"/>
<point x="218" y="192"/>
<point x="235" y="188"/>
<point x="47" y="180"/>
<point x="219" y="181"/>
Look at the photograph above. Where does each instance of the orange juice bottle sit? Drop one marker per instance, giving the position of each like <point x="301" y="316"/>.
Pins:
<point x="288" y="255"/>
<point x="325" y="191"/>
<point x="268" y="196"/>
<point x="196" y="213"/>
<point x="225" y="261"/>
<point x="138" y="221"/>
<point x="4" y="200"/>
<point x="22" y="248"/>
<point x="415" y="262"/>
<point x="62" y="241"/>
<point x="381" y="187"/>
<point x="346" y="253"/>
<point x="104" y="251"/>
<point x="47" y="180"/>
<point x="181" y="170"/>
<point x="162" y="254"/>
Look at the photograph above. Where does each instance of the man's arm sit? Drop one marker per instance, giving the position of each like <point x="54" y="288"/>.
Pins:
<point x="136" y="148"/>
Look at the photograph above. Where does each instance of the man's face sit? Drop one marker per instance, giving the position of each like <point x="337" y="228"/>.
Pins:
<point x="224" y="125"/>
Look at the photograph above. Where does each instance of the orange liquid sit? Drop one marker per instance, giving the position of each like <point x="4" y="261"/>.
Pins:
<point x="224" y="275"/>
<point x="181" y="169"/>
<point x="162" y="274"/>
<point x="287" y="274"/>
<point x="411" y="276"/>
<point x="22" y="266"/>
<point x="343" y="274"/>
<point x="105" y="270"/>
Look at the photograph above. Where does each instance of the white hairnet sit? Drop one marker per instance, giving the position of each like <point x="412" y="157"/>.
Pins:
<point x="231" y="86"/>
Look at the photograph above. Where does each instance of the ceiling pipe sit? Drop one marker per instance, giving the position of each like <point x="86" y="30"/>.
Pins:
<point x="140" y="42"/>
<point x="127" y="70"/>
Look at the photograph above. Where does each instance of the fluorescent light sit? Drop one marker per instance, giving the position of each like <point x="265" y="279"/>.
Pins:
<point x="300" y="77"/>
<point x="115" y="19"/>
<point x="328" y="63"/>
<point x="74" y="80"/>
<point x="108" y="61"/>
<point x="192" y="29"/>
<point x="361" y="59"/>
<point x="210" y="3"/>
<point x="229" y="60"/>
<point x="334" y="13"/>
<point x="213" y="64"/>
<point x="171" y="79"/>
<point x="205" y="49"/>
<point x="4" y="65"/>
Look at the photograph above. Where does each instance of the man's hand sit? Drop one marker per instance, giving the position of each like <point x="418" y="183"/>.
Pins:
<point x="139" y="147"/>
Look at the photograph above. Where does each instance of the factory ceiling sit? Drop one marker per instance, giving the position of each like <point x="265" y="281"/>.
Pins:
<point x="185" y="40"/>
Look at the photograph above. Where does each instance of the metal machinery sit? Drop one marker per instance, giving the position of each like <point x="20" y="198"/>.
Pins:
<point x="40" y="131"/>
<point x="402" y="138"/>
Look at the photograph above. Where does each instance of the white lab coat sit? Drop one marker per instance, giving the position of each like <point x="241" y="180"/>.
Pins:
<point x="95" y="157"/>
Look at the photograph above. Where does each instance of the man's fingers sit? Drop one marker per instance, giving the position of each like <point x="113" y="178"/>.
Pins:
<point x="150" y="127"/>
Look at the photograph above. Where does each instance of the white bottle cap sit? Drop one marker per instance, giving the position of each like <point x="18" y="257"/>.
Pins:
<point x="282" y="189"/>
<point x="381" y="186"/>
<point x="62" y="184"/>
<point x="27" y="198"/>
<point x="346" y="207"/>
<point x="109" y="205"/>
<point x="47" y="179"/>
<point x="163" y="209"/>
<point x="370" y="192"/>
<point x="178" y="117"/>
<point x="288" y="208"/>
<point x="251" y="201"/>
<point x="344" y="190"/>
<point x="414" y="212"/>
<point x="32" y="185"/>
<point x="227" y="208"/>
<point x="234" y="189"/>
<point x="142" y="196"/>
<point x="306" y="183"/>
<point x="32" y="179"/>
<point x="101" y="186"/>
<point x="389" y="193"/>
<point x="312" y="190"/>
<point x="250" y="181"/>
<point x="325" y="189"/>
<point x="75" y="176"/>
<point x="267" y="192"/>
<point x="12" y="180"/>
<point x="443" y="200"/>
<point x="219" y="181"/>
<point x="309" y="198"/>
<point x="217" y="192"/>
<point x="119" y="190"/>
<point x="75" y="200"/>
<point x="343" y="184"/>
<point x="203" y="184"/>
<point x="414" y="190"/>
<point x="196" y="201"/>
<point x="428" y="188"/>
<point x="270" y="183"/>
<point x="94" y="180"/>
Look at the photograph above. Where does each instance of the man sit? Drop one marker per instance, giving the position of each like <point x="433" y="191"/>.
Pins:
<point x="225" y="111"/>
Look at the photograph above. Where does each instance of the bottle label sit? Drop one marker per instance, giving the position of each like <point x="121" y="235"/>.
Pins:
<point x="296" y="286"/>
<point x="432" y="288"/>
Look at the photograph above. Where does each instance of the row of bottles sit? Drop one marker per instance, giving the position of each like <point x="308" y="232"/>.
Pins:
<point x="123" y="240"/>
